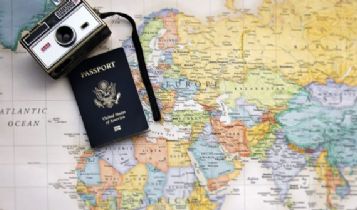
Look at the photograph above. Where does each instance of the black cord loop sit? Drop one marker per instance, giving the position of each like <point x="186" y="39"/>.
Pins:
<point x="141" y="61"/>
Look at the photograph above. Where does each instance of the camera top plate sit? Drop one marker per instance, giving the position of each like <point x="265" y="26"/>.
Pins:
<point x="44" y="41"/>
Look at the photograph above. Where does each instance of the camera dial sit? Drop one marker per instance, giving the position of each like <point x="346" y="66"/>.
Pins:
<point x="65" y="36"/>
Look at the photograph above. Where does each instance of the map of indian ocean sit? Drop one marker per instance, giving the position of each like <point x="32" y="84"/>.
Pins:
<point x="259" y="105"/>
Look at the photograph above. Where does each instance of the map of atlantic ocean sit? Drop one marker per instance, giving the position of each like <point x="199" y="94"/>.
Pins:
<point x="259" y="106"/>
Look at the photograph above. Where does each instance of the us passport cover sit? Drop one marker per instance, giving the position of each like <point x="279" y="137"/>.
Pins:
<point x="107" y="98"/>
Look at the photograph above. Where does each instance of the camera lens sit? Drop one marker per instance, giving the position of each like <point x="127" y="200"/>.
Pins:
<point x="65" y="36"/>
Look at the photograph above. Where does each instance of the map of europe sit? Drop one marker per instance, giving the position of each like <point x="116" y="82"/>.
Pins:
<point x="259" y="105"/>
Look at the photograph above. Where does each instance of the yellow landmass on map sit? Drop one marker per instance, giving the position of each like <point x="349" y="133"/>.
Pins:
<point x="81" y="188"/>
<point x="209" y="52"/>
<point x="135" y="179"/>
<point x="296" y="148"/>
<point x="102" y="204"/>
<point x="177" y="154"/>
<point x="260" y="139"/>
<point x="230" y="4"/>
<point x="257" y="133"/>
<point x="167" y="99"/>
<point x="314" y="40"/>
<point x="161" y="205"/>
<point x="131" y="199"/>
<point x="263" y="88"/>
<point x="325" y="33"/>
<point x="199" y="200"/>
<point x="294" y="41"/>
<point x="322" y="165"/>
<point x="204" y="97"/>
<point x="195" y="119"/>
<point x="131" y="190"/>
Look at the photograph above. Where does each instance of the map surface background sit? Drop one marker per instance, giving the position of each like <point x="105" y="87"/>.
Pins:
<point x="46" y="162"/>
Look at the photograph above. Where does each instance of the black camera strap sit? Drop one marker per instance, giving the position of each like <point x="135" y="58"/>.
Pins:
<point x="141" y="61"/>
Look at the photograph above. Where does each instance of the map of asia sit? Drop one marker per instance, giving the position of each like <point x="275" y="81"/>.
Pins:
<point x="259" y="104"/>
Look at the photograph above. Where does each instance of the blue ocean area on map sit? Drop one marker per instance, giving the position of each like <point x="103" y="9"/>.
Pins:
<point x="311" y="122"/>
<point x="210" y="158"/>
<point x="13" y="23"/>
<point x="91" y="173"/>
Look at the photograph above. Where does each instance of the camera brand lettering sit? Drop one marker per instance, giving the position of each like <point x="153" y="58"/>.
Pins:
<point x="98" y="69"/>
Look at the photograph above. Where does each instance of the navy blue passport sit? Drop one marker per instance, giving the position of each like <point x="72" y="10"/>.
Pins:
<point x="107" y="98"/>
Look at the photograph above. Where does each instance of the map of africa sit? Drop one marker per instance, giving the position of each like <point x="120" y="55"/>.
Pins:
<point x="259" y="105"/>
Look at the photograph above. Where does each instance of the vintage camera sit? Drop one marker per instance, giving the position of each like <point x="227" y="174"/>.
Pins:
<point x="63" y="39"/>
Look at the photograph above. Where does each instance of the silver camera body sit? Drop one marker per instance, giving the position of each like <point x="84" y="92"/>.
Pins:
<point x="64" y="38"/>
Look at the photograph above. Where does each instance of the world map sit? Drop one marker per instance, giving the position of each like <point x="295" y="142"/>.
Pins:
<point x="259" y="106"/>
